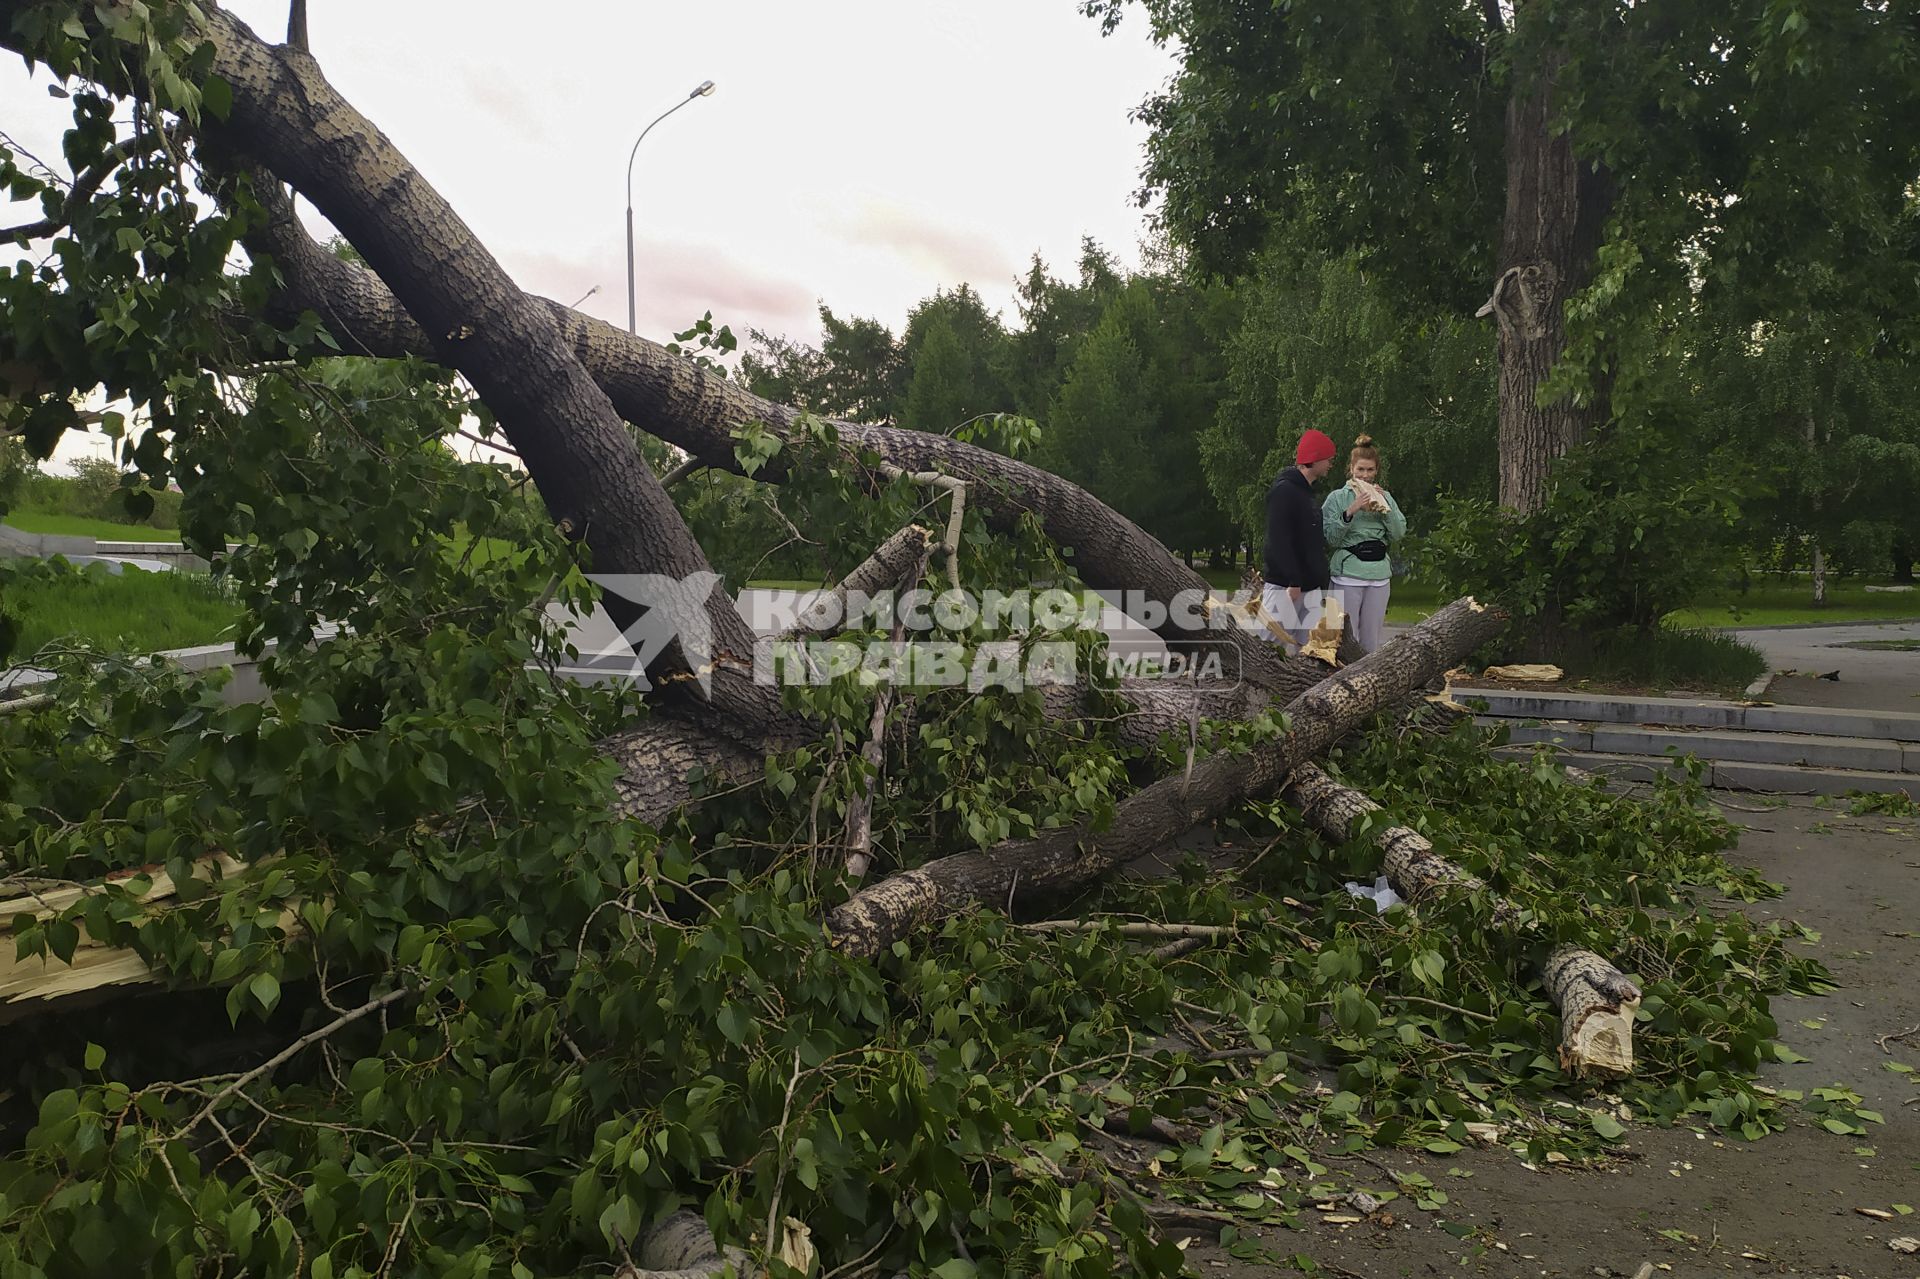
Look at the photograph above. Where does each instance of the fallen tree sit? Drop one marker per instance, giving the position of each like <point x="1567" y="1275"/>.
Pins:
<point x="545" y="963"/>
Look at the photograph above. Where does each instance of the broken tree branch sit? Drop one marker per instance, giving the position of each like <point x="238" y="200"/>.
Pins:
<point x="957" y="491"/>
<point x="1595" y="999"/>
<point x="681" y="1247"/>
<point x="291" y="1051"/>
<point x="860" y="808"/>
<point x="1066" y="859"/>
<point x="1206" y="931"/>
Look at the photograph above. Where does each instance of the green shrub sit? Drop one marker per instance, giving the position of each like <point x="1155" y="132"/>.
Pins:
<point x="1636" y="526"/>
<point x="16" y="464"/>
<point x="1666" y="657"/>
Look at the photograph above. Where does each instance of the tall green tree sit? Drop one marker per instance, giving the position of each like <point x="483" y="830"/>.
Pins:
<point x="1568" y="161"/>
<point x="858" y="372"/>
<point x="1829" y="416"/>
<point x="954" y="349"/>
<point x="1324" y="343"/>
<point x="1055" y="316"/>
<point x="1127" y="421"/>
<point x="865" y="375"/>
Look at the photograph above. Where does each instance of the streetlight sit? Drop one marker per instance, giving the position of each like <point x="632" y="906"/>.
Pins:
<point x="703" y="90"/>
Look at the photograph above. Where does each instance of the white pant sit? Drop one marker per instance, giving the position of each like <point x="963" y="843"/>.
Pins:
<point x="1366" y="604"/>
<point x="1295" y="620"/>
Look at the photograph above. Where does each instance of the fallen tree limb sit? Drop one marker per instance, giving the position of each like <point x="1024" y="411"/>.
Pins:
<point x="697" y="410"/>
<point x="873" y="754"/>
<point x="291" y="1051"/>
<point x="36" y="983"/>
<point x="883" y="570"/>
<point x="1068" y="859"/>
<point x="1595" y="999"/>
<point x="956" y="491"/>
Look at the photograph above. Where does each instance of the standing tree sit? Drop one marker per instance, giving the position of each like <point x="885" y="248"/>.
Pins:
<point x="857" y="373"/>
<point x="1568" y="161"/>
<point x="953" y="351"/>
<point x="1055" y="317"/>
<point x="1323" y="343"/>
<point x="1830" y="415"/>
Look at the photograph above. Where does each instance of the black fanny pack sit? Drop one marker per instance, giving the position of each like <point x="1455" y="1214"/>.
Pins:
<point x="1373" y="550"/>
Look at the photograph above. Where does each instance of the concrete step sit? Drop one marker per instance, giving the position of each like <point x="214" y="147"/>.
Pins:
<point x="1881" y="755"/>
<point x="1821" y="721"/>
<point x="1779" y="779"/>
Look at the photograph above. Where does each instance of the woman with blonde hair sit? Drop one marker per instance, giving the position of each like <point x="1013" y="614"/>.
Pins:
<point x="1362" y="523"/>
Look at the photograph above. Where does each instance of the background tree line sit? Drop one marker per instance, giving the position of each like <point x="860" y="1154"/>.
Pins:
<point x="1752" y="445"/>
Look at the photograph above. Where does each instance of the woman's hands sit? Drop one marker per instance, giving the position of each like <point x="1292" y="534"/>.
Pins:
<point x="1367" y="496"/>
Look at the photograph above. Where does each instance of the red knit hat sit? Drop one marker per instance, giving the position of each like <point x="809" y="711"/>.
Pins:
<point x="1315" y="446"/>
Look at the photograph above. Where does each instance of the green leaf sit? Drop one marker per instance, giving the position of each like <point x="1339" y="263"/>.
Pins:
<point x="228" y="963"/>
<point x="1605" y="1125"/>
<point x="620" y="1221"/>
<point x="265" y="988"/>
<point x="734" y="1022"/>
<point x="216" y="95"/>
<point x="96" y="1056"/>
<point x="318" y="708"/>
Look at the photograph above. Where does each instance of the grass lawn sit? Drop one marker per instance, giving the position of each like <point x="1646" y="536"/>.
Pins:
<point x="1778" y="603"/>
<point x="82" y="526"/>
<point x="131" y="611"/>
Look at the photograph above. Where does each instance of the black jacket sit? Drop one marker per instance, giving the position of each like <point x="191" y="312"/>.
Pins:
<point x="1296" y="544"/>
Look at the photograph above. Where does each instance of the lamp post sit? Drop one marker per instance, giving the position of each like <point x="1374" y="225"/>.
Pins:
<point x="703" y="90"/>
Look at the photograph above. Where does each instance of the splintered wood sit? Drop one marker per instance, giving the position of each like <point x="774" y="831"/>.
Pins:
<point x="33" y="984"/>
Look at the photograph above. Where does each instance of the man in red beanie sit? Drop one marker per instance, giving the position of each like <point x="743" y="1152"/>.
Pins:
<point x="1296" y="553"/>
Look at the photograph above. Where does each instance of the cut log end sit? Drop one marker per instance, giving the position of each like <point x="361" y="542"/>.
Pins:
<point x="1597" y="1003"/>
<point x="1599" y="1043"/>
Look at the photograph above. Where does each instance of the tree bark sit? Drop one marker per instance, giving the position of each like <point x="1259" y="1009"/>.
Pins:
<point x="681" y="1247"/>
<point x="1557" y="206"/>
<point x="1595" y="999"/>
<point x="1066" y="860"/>
<point x="1819" y="557"/>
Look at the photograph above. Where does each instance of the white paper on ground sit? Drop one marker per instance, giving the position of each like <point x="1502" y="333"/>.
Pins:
<point x="1381" y="894"/>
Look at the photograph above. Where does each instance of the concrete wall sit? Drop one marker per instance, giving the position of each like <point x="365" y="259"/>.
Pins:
<point x="245" y="686"/>
<point x="18" y="544"/>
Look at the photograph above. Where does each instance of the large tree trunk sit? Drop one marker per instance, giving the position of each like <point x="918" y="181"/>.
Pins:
<point x="1557" y="205"/>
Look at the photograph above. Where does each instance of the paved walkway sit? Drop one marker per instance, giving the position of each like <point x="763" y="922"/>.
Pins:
<point x="1870" y="679"/>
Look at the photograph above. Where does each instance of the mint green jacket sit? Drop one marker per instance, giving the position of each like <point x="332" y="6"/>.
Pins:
<point x="1388" y="527"/>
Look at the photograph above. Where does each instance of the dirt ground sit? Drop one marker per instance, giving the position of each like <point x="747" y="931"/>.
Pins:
<point x="1781" y="1206"/>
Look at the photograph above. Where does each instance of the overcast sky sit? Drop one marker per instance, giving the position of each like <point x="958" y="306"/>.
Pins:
<point x="860" y="152"/>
